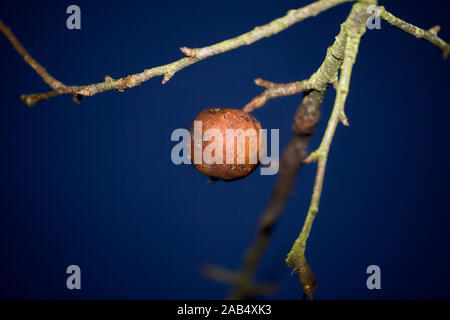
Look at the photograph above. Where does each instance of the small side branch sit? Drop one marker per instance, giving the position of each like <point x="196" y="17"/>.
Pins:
<point x="274" y="90"/>
<point x="430" y="35"/>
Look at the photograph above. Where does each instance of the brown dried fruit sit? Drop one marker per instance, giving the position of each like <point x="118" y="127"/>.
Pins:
<point x="243" y="154"/>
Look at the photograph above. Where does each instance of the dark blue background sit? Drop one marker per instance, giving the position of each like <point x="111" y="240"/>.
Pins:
<point x="93" y="184"/>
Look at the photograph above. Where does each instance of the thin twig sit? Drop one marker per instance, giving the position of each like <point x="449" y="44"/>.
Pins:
<point x="430" y="35"/>
<point x="274" y="27"/>
<point x="48" y="79"/>
<point x="274" y="90"/>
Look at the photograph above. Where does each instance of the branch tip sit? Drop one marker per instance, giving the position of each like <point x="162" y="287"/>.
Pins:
<point x="167" y="77"/>
<point x="343" y="119"/>
<point x="313" y="156"/>
<point x="28" y="99"/>
<point x="189" y="52"/>
<point x="307" y="278"/>
<point x="430" y="35"/>
<point x="77" y="98"/>
<point x="434" y="30"/>
<point x="335" y="84"/>
<point x="264" y="83"/>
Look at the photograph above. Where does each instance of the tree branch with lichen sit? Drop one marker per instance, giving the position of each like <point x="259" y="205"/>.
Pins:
<point x="354" y="28"/>
<point x="274" y="90"/>
<point x="168" y="70"/>
<point x="430" y="35"/>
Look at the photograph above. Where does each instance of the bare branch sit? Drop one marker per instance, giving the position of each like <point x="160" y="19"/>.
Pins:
<point x="274" y="27"/>
<point x="354" y="28"/>
<point x="430" y="35"/>
<point x="168" y="70"/>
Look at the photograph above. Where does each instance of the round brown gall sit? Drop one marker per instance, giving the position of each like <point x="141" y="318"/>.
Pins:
<point x="225" y="143"/>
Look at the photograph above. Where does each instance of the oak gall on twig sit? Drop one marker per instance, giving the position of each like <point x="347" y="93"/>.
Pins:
<point x="225" y="143"/>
